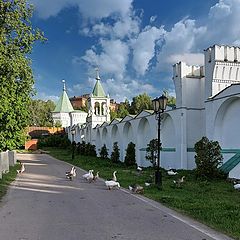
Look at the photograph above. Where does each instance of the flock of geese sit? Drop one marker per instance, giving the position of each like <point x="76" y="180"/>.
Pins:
<point x="110" y="183"/>
<point x="113" y="183"/>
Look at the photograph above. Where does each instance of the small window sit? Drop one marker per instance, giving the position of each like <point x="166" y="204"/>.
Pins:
<point x="219" y="87"/>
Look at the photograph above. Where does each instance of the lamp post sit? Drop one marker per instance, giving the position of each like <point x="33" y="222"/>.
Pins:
<point x="73" y="142"/>
<point x="159" y="106"/>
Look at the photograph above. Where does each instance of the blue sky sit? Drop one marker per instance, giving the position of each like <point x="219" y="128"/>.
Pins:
<point x="133" y="42"/>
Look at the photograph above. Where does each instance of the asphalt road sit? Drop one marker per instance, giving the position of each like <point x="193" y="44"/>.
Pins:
<point x="43" y="205"/>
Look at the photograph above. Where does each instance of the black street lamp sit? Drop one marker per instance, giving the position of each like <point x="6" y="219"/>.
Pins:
<point x="73" y="143"/>
<point x="159" y="106"/>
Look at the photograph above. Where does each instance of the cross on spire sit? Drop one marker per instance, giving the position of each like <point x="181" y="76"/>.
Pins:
<point x="97" y="73"/>
<point x="64" y="86"/>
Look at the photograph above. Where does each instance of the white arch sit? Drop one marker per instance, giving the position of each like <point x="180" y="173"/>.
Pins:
<point x="115" y="135"/>
<point x="226" y="124"/>
<point x="143" y="138"/>
<point x="127" y="136"/>
<point x="168" y="140"/>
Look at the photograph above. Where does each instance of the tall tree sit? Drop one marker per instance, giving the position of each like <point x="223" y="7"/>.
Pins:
<point x="40" y="113"/>
<point x="16" y="79"/>
<point x="141" y="102"/>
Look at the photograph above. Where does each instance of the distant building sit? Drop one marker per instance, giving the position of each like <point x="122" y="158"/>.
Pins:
<point x="79" y="101"/>
<point x="113" y="105"/>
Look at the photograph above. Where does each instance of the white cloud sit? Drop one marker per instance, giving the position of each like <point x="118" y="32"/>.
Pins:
<point x="180" y="42"/>
<point x="121" y="90"/>
<point x="112" y="59"/>
<point x="144" y="48"/>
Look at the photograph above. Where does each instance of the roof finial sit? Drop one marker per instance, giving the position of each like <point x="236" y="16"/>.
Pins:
<point x="64" y="86"/>
<point x="97" y="73"/>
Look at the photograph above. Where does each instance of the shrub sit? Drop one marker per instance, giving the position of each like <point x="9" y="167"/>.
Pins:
<point x="130" y="158"/>
<point x="103" y="152"/>
<point x="55" y="140"/>
<point x="208" y="158"/>
<point x="115" y="153"/>
<point x="90" y="150"/>
<point x="152" y="151"/>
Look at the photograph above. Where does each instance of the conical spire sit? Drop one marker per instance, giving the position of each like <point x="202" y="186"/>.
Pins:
<point x="98" y="89"/>
<point x="64" y="104"/>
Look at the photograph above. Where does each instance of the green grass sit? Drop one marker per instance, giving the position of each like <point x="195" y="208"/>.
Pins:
<point x="214" y="203"/>
<point x="7" y="179"/>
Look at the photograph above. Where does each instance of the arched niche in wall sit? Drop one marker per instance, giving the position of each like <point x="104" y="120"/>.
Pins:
<point x="127" y="136"/>
<point x="143" y="138"/>
<point x="98" y="139"/>
<point x="226" y="124"/>
<point x="168" y="140"/>
<point x="115" y="134"/>
<point x="168" y="133"/>
<point x="104" y="136"/>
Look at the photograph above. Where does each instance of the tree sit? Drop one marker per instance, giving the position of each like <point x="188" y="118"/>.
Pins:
<point x="141" y="102"/>
<point x="103" y="152"/>
<point x="208" y="158"/>
<point x="130" y="158"/>
<point x="40" y="113"/>
<point x="152" y="151"/>
<point x="115" y="153"/>
<point x="16" y="79"/>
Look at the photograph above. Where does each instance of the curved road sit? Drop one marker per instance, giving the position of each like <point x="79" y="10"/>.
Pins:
<point x="43" y="205"/>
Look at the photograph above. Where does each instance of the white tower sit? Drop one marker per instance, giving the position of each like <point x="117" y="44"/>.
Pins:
<point x="98" y="105"/>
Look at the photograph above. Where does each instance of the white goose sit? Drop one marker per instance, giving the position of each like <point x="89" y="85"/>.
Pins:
<point x="86" y="175"/>
<point x="72" y="173"/>
<point x="171" y="173"/>
<point x="22" y="169"/>
<point x="112" y="184"/>
<point x="90" y="177"/>
<point x="237" y="186"/>
<point x="114" y="176"/>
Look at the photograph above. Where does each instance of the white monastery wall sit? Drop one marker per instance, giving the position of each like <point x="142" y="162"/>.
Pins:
<point x="208" y="104"/>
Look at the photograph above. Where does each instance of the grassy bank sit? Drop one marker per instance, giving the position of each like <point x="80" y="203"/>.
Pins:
<point x="7" y="179"/>
<point x="214" y="203"/>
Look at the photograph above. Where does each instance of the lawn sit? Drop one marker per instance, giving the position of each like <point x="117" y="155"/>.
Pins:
<point x="7" y="179"/>
<point x="214" y="203"/>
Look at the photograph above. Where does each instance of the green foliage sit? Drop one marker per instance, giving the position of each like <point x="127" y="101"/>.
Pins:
<point x="90" y="150"/>
<point x="130" y="158"/>
<point x="55" y="140"/>
<point x="115" y="153"/>
<point x="40" y="113"/>
<point x="208" y="158"/>
<point x="58" y="124"/>
<point x="152" y="151"/>
<point x="86" y="149"/>
<point x="103" y="152"/>
<point x="16" y="79"/>
<point x="141" y="102"/>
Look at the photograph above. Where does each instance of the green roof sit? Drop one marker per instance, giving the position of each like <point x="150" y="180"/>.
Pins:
<point x="64" y="104"/>
<point x="98" y="90"/>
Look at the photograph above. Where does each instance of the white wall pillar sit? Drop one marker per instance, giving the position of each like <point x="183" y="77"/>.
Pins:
<point x="5" y="162"/>
<point x="12" y="156"/>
